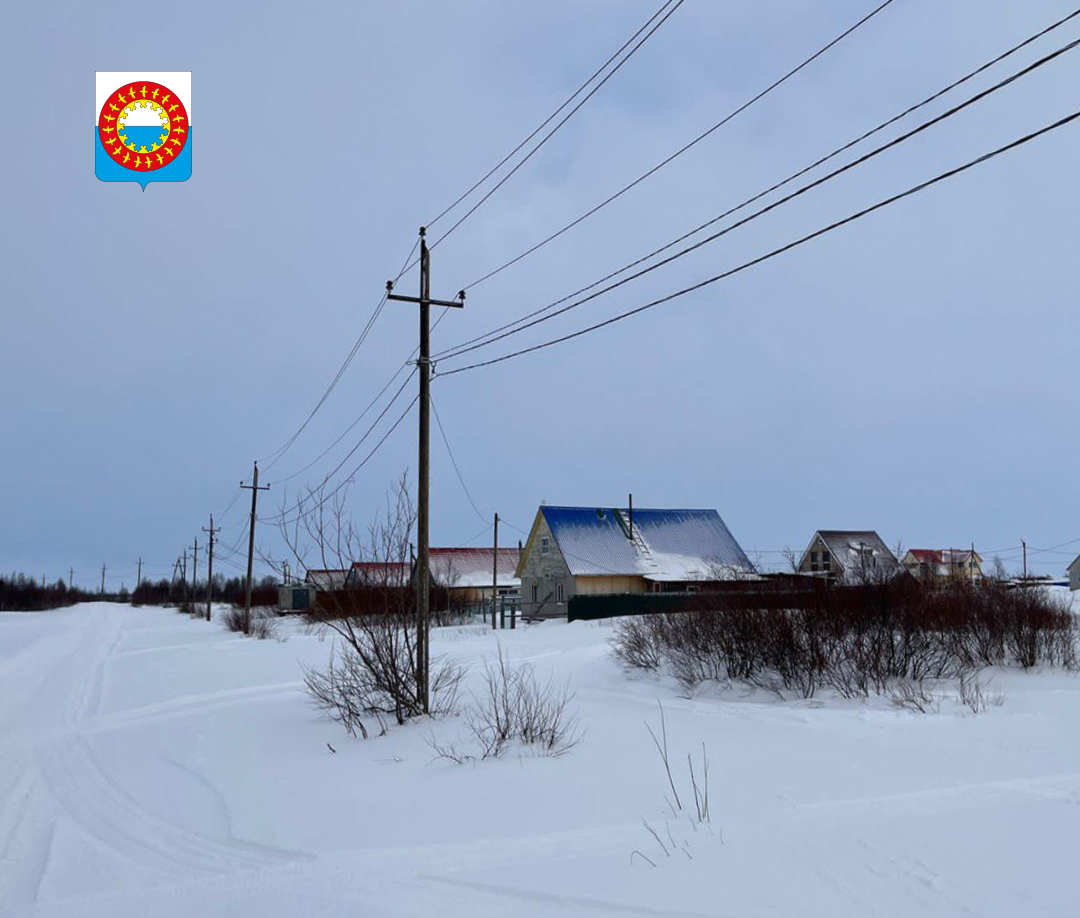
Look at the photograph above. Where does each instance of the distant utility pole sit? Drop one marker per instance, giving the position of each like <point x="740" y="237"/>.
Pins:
<point x="43" y="581"/>
<point x="495" y="575"/>
<point x="71" y="577"/>
<point x="195" y="568"/>
<point x="138" y="578"/>
<point x="1023" y="544"/>
<point x="103" y="569"/>
<point x="183" y="580"/>
<point x="423" y="363"/>
<point x="255" y="489"/>
<point x="210" y="567"/>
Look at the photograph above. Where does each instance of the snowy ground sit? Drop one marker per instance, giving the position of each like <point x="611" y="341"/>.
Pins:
<point x="152" y="765"/>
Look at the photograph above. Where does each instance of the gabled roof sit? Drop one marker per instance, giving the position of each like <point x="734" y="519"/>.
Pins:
<point x="847" y="545"/>
<point x="472" y="567"/>
<point x="380" y="573"/>
<point x="325" y="579"/>
<point x="663" y="545"/>
<point x="942" y="555"/>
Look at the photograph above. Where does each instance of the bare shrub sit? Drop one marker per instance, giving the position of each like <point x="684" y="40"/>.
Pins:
<point x="878" y="638"/>
<point x="263" y="624"/>
<point x="976" y="693"/>
<point x="638" y="643"/>
<point x="379" y="666"/>
<point x="912" y="695"/>
<point x="233" y="619"/>
<point x="513" y="705"/>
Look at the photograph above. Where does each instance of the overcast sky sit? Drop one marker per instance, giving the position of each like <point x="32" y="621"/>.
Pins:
<point x="915" y="373"/>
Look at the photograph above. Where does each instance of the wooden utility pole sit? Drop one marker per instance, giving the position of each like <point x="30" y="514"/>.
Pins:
<point x="423" y="363"/>
<point x="495" y="575"/>
<point x="138" y="578"/>
<point x="71" y="577"/>
<point x="183" y="582"/>
<point x="103" y="569"/>
<point x="195" y="570"/>
<point x="1023" y="544"/>
<point x="255" y="489"/>
<point x="210" y="567"/>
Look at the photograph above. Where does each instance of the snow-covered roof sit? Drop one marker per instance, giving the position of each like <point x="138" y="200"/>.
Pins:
<point x="663" y="545"/>
<point x="853" y="549"/>
<point x="941" y="555"/>
<point x="380" y="573"/>
<point x="472" y="567"/>
<point x="323" y="579"/>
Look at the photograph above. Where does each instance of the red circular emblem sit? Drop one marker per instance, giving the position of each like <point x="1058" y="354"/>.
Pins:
<point x="143" y="126"/>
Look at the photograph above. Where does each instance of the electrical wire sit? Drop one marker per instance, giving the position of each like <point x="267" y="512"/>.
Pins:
<point x="775" y="187"/>
<point x="550" y="117"/>
<point x="276" y="455"/>
<point x="548" y="314"/>
<point x="558" y="126"/>
<point x="453" y="461"/>
<point x="304" y="512"/>
<point x="922" y="186"/>
<point x="348" y="429"/>
<point x="683" y="149"/>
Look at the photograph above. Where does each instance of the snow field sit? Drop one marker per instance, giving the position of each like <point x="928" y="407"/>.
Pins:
<point x="151" y="764"/>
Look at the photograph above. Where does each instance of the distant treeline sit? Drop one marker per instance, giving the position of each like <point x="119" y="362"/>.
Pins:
<point x="228" y="590"/>
<point x="20" y="593"/>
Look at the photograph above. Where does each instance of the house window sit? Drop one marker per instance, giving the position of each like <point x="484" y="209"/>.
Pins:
<point x="545" y="545"/>
<point x="559" y="593"/>
<point x="826" y="561"/>
<point x="814" y="561"/>
<point x="535" y="592"/>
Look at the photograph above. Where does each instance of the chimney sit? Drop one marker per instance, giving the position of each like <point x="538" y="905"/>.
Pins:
<point x="631" y="535"/>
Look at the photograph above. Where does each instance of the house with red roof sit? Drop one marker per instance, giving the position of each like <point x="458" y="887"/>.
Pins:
<point x="936" y="565"/>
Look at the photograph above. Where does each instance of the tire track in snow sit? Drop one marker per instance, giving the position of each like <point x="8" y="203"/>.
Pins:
<point x="107" y="813"/>
<point x="99" y="805"/>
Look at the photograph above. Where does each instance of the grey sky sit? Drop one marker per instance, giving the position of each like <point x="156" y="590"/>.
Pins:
<point x="914" y="373"/>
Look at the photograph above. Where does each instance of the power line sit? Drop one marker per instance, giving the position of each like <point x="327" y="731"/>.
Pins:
<point x="683" y="149"/>
<point x="464" y="346"/>
<point x="555" y="129"/>
<point x="281" y="450"/>
<point x="307" y="511"/>
<point x="453" y="461"/>
<point x="273" y="457"/>
<point x="358" y="419"/>
<point x="550" y="117"/>
<point x="922" y="186"/>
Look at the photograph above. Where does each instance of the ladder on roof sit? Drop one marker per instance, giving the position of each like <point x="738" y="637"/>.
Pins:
<point x="640" y="545"/>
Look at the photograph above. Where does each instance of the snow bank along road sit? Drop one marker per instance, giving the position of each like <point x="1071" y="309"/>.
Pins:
<point x="152" y="765"/>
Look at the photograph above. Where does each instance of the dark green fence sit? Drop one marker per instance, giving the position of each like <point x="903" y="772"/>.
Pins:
<point x="777" y="593"/>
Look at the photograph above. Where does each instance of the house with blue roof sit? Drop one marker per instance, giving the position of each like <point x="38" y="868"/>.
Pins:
<point x="589" y="550"/>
